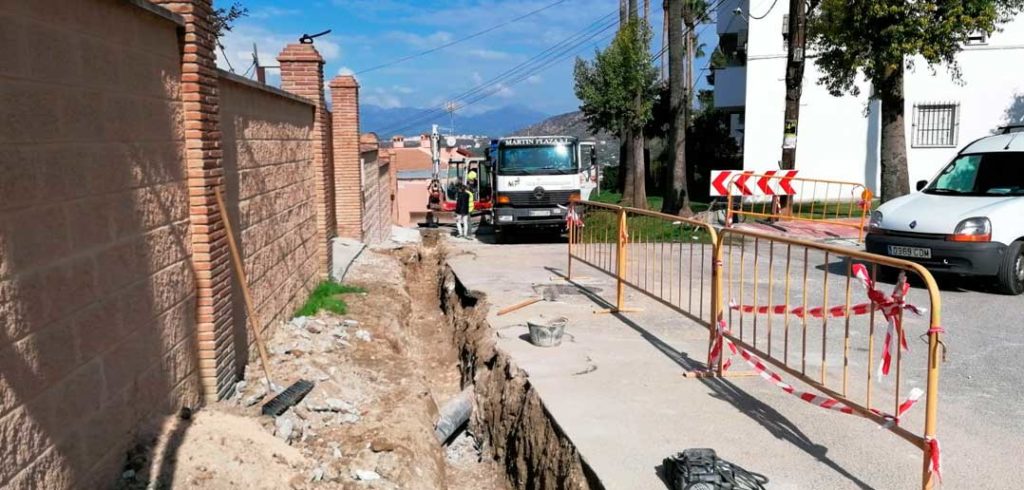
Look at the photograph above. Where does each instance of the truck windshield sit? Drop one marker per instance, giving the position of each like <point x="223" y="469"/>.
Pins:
<point x="537" y="160"/>
<point x="982" y="174"/>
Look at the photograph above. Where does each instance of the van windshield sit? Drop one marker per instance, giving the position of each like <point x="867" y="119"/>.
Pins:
<point x="982" y="174"/>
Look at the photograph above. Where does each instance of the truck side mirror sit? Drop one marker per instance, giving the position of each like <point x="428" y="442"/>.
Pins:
<point x="487" y="153"/>
<point x="593" y="155"/>
<point x="921" y="184"/>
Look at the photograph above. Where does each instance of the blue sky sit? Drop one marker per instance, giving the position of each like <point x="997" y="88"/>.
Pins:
<point x="367" y="33"/>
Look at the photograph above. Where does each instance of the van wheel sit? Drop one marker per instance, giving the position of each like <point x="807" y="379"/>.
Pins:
<point x="1011" y="272"/>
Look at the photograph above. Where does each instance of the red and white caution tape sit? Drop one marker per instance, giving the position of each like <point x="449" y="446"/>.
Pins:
<point x="801" y="312"/>
<point x="572" y="218"/>
<point x="935" y="463"/>
<point x="891" y="307"/>
<point x="722" y="340"/>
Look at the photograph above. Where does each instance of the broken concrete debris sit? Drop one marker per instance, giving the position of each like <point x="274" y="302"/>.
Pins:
<point x="365" y="475"/>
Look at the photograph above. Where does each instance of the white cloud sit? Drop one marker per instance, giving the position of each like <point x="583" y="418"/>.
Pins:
<point x="346" y="71"/>
<point x="383" y="100"/>
<point x="534" y="79"/>
<point x="403" y="90"/>
<point x="238" y="45"/>
<point x="477" y="79"/>
<point x="421" y="41"/>
<point x="271" y="12"/>
<point x="489" y="54"/>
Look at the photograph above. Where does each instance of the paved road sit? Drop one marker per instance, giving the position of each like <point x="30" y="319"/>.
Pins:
<point x="980" y="401"/>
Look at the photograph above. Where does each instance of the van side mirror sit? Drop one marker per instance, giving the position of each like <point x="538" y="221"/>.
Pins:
<point x="921" y="184"/>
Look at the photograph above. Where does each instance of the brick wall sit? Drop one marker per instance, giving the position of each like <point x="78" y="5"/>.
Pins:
<point x="348" y="176"/>
<point x="302" y="73"/>
<point x="117" y="301"/>
<point x="97" y="296"/>
<point x="270" y="193"/>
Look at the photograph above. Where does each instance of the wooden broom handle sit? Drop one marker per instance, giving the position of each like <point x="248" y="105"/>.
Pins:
<point x="237" y="261"/>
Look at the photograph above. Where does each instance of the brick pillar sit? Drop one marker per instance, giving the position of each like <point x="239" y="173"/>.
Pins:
<point x="210" y="258"/>
<point x="348" y="182"/>
<point x="302" y="73"/>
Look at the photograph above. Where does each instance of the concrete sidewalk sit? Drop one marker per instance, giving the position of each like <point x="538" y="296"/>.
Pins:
<point x="616" y="388"/>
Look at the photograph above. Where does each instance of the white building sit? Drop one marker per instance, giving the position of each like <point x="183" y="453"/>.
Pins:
<point x="839" y="137"/>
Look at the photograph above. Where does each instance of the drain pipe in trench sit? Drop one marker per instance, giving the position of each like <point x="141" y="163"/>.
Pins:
<point x="454" y="414"/>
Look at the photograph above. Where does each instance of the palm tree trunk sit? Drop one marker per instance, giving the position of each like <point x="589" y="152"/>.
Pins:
<point x="676" y="195"/>
<point x="895" y="178"/>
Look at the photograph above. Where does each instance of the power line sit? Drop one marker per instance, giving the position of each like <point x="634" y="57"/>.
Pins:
<point x="752" y="16"/>
<point x="522" y="71"/>
<point x="462" y="39"/>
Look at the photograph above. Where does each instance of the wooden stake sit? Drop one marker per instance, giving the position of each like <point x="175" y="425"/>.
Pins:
<point x="518" y="306"/>
<point x="237" y="261"/>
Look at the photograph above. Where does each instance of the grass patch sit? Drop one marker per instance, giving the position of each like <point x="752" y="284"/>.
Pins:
<point x="653" y="202"/>
<point x="327" y="297"/>
<point x="603" y="227"/>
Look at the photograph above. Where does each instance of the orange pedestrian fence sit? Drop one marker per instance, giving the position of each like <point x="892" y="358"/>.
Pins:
<point x="778" y="197"/>
<point x="823" y="315"/>
<point x="665" y="257"/>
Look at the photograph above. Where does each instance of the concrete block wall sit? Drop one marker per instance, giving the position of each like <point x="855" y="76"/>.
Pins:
<point x="271" y="194"/>
<point x="98" y="330"/>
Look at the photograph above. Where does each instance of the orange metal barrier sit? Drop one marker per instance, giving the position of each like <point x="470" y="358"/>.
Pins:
<point x="806" y="310"/>
<point x="827" y="201"/>
<point x="663" y="256"/>
<point x="801" y="307"/>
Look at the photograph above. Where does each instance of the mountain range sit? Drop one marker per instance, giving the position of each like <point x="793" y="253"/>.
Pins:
<point x="495" y="123"/>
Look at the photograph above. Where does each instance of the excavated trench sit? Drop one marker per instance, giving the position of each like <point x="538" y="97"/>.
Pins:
<point x="509" y="419"/>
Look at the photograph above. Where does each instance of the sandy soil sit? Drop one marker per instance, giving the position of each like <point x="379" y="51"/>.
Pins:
<point x="380" y="372"/>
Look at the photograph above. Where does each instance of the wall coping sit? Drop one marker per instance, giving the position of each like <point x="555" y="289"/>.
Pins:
<point x="158" y="11"/>
<point x="253" y="84"/>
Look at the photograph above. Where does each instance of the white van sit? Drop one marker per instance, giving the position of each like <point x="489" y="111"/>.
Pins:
<point x="968" y="220"/>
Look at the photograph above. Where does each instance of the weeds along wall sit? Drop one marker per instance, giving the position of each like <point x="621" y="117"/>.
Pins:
<point x="118" y="305"/>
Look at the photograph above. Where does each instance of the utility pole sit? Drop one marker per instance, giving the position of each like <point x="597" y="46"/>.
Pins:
<point x="794" y="81"/>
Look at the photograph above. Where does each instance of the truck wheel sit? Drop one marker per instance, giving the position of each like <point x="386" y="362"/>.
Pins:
<point x="1011" y="272"/>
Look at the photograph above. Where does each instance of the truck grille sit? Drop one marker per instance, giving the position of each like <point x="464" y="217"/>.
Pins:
<point x="538" y="198"/>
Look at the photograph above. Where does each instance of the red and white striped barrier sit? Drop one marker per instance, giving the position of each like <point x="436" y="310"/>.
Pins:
<point x="749" y="183"/>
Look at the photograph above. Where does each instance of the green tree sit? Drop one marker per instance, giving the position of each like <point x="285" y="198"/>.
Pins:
<point x="881" y="39"/>
<point x="618" y="91"/>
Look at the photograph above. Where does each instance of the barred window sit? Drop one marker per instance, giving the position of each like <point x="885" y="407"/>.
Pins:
<point x="936" y="125"/>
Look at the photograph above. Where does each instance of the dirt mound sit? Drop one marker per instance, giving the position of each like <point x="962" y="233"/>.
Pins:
<point x="214" y="450"/>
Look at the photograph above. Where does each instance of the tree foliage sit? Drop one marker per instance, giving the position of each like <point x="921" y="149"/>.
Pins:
<point x="874" y="36"/>
<point x="617" y="93"/>
<point x="224" y="18"/>
<point x="881" y="39"/>
<point x="618" y="89"/>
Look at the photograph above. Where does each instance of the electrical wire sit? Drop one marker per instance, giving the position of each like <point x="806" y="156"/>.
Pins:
<point x="460" y="40"/>
<point x="752" y="16"/>
<point x="541" y="61"/>
<point x="521" y="71"/>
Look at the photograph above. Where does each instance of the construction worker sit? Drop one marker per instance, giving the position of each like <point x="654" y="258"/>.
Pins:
<point x="463" y="210"/>
<point x="471" y="179"/>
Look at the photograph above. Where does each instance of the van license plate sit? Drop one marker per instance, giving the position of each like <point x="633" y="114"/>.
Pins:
<point x="540" y="213"/>
<point x="911" y="252"/>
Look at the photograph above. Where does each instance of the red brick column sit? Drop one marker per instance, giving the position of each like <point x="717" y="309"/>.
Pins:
<point x="348" y="181"/>
<point x="302" y="73"/>
<point x="210" y="259"/>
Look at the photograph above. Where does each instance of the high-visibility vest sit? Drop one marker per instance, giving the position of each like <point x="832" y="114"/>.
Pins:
<point x="471" y="201"/>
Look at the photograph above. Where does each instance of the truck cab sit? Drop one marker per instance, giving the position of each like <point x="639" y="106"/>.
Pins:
<point x="535" y="178"/>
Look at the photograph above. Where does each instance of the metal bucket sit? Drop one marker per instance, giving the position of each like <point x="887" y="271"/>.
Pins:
<point x="547" y="333"/>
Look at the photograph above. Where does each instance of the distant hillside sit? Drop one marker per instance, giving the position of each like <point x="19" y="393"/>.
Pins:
<point x="494" y="123"/>
<point x="573" y="124"/>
